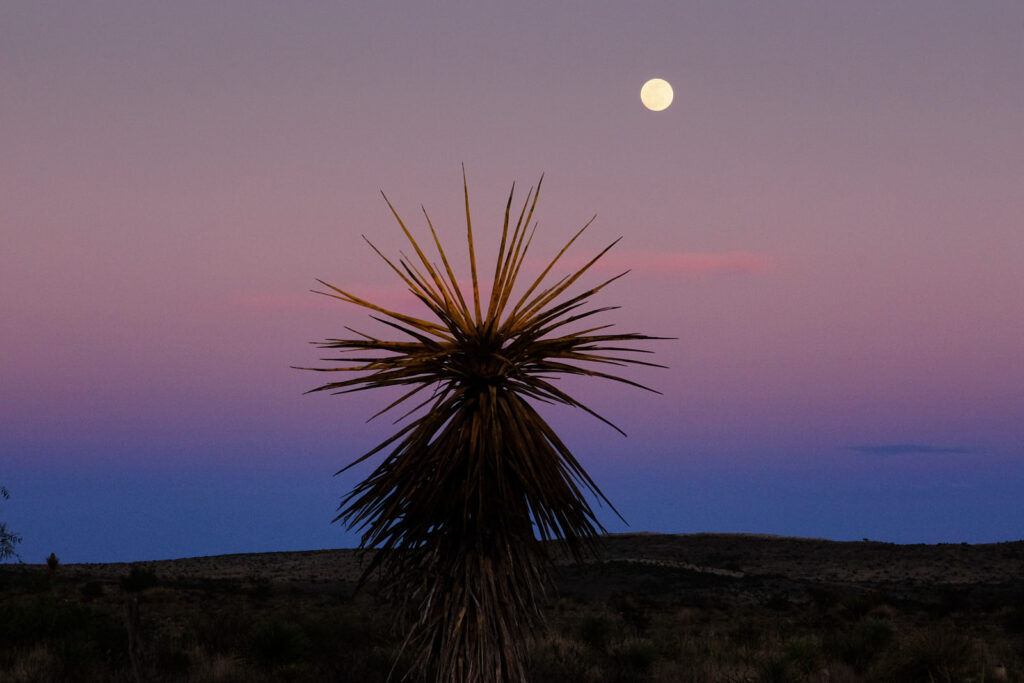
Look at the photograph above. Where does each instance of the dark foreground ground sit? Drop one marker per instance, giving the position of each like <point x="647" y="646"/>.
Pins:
<point x="664" y="608"/>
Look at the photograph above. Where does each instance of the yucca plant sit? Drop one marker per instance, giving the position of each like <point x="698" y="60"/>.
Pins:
<point x="476" y="484"/>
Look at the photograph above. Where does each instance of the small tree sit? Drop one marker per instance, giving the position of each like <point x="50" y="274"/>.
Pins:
<point x="471" y="488"/>
<point x="8" y="539"/>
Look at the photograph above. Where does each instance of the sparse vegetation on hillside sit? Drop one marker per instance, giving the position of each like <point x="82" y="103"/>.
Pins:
<point x="639" y="616"/>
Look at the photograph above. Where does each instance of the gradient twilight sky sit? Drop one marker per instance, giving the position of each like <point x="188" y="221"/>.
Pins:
<point x="828" y="217"/>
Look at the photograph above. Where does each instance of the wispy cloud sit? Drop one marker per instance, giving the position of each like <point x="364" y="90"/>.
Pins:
<point x="396" y="295"/>
<point x="908" y="449"/>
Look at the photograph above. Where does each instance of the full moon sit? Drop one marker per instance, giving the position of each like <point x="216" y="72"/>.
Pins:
<point x="656" y="94"/>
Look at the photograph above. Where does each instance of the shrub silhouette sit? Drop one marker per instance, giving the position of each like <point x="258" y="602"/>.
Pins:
<point x="471" y="488"/>
<point x="863" y="643"/>
<point x="279" y="642"/>
<point x="8" y="539"/>
<point x="939" y="653"/>
<point x="138" y="579"/>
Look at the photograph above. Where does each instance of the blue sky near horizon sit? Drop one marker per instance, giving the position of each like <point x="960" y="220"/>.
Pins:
<point x="827" y="219"/>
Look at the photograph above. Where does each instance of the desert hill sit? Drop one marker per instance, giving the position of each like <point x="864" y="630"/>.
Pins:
<point x="662" y="608"/>
<point x="742" y="557"/>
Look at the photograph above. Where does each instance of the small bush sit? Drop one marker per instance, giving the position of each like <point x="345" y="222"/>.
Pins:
<point x="39" y="619"/>
<point x="632" y="611"/>
<point x="635" y="655"/>
<point x="594" y="632"/>
<point x="259" y="586"/>
<point x="38" y="582"/>
<point x="1014" y="622"/>
<point x="139" y="578"/>
<point x="563" y="660"/>
<point x="91" y="589"/>
<point x="862" y="644"/>
<point x="775" y="670"/>
<point x="279" y="642"/>
<point x="804" y="654"/>
<point x="65" y="639"/>
<point x="745" y="634"/>
<point x="173" y="661"/>
<point x="936" y="654"/>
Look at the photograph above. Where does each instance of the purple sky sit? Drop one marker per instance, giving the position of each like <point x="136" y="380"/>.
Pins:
<point x="828" y="217"/>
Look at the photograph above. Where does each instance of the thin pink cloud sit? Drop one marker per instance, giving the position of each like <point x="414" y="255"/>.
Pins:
<point x="396" y="296"/>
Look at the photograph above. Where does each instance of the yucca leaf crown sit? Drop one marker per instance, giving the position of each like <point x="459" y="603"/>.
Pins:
<point x="466" y="350"/>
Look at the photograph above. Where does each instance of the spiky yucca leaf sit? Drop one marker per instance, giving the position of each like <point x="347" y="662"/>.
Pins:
<point x="470" y="489"/>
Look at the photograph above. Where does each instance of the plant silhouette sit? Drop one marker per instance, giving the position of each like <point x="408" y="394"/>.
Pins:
<point x="8" y="539"/>
<point x="477" y="482"/>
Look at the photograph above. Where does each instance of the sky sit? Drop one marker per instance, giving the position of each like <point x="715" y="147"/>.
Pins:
<point x="827" y="219"/>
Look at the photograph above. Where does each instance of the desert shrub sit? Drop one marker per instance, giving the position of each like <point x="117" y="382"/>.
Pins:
<point x="336" y="630"/>
<point x="139" y="578"/>
<point x="172" y="661"/>
<point x="259" y="587"/>
<point x="774" y="669"/>
<point x="382" y="659"/>
<point x="882" y="611"/>
<point x="779" y="603"/>
<point x="632" y="611"/>
<point x="278" y="642"/>
<point x="338" y="639"/>
<point x="219" y="667"/>
<point x="954" y="599"/>
<point x="824" y="597"/>
<point x="934" y="654"/>
<point x="634" y="655"/>
<point x="90" y="590"/>
<point x="73" y="638"/>
<point x="1014" y="622"/>
<point x="33" y="664"/>
<point x="220" y="631"/>
<point x="594" y="631"/>
<point x="862" y="644"/>
<point x="859" y="605"/>
<point x="38" y="582"/>
<point x="560" y="659"/>
<point x="803" y="653"/>
<point x="746" y="633"/>
<point x="40" y="618"/>
<point x="74" y="655"/>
